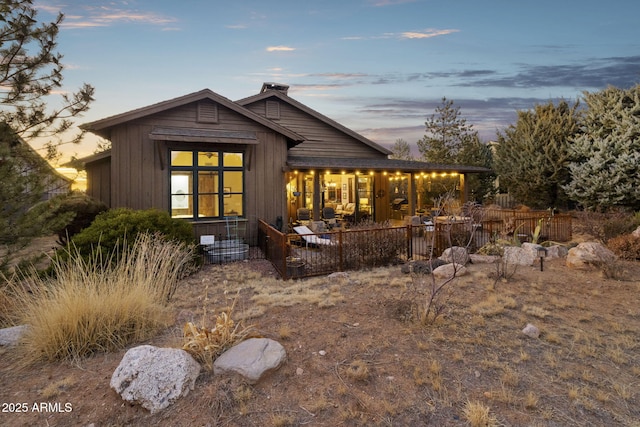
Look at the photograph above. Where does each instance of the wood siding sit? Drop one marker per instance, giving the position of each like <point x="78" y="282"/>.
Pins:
<point x="140" y="173"/>
<point x="99" y="180"/>
<point x="322" y="140"/>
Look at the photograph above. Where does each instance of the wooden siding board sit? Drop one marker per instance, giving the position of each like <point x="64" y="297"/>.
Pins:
<point x="322" y="140"/>
<point x="147" y="185"/>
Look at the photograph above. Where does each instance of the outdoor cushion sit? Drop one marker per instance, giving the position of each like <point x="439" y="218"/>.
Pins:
<point x="311" y="238"/>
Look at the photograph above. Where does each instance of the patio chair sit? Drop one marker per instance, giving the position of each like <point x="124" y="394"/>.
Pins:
<point x="310" y="238"/>
<point x="303" y="216"/>
<point x="329" y="217"/>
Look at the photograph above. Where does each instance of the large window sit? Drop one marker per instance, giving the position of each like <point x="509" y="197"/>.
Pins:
<point x="206" y="184"/>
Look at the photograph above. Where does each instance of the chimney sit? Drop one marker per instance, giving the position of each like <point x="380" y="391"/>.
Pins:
<point x="274" y="86"/>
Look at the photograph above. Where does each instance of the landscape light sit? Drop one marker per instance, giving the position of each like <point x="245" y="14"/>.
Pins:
<point x="542" y="253"/>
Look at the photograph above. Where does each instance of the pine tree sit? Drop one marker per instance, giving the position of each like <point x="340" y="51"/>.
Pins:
<point x="606" y="155"/>
<point x="401" y="150"/>
<point x="531" y="156"/>
<point x="445" y="135"/>
<point x="476" y="153"/>
<point x="450" y="140"/>
<point x="30" y="73"/>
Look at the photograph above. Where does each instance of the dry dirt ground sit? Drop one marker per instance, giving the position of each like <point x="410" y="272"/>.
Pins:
<point x="356" y="357"/>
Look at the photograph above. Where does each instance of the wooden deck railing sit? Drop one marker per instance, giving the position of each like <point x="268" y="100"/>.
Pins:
<point x="295" y="255"/>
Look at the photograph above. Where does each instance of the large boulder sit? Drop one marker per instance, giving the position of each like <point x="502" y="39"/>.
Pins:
<point x="515" y="255"/>
<point x="589" y="256"/>
<point x="251" y="359"/>
<point x="449" y="271"/>
<point x="483" y="259"/>
<point x="456" y="254"/>
<point x="155" y="377"/>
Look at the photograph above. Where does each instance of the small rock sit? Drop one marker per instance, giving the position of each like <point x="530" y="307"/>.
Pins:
<point x="456" y="254"/>
<point x="12" y="335"/>
<point x="251" y="359"/>
<point x="483" y="259"/>
<point x="448" y="271"/>
<point x="338" y="275"/>
<point x="155" y="377"/>
<point x="557" y="251"/>
<point x="531" y="331"/>
<point x="422" y="266"/>
<point x="299" y="371"/>
<point x="322" y="353"/>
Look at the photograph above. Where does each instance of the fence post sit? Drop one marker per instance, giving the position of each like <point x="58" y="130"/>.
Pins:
<point x="340" y="260"/>
<point x="283" y="252"/>
<point x="409" y="242"/>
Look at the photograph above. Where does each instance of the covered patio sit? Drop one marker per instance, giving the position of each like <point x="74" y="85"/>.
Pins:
<point x="376" y="189"/>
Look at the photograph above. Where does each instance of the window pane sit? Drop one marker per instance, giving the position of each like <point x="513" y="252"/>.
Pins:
<point x="208" y="205"/>
<point x="208" y="193"/>
<point x="181" y="194"/>
<point x="233" y="182"/>
<point x="233" y="159"/>
<point x="208" y="158"/>
<point x="233" y="205"/>
<point x="181" y="158"/>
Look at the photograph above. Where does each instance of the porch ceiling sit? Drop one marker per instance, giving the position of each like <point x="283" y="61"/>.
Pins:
<point x="380" y="164"/>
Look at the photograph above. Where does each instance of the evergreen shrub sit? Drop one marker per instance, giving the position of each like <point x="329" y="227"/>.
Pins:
<point x="113" y="228"/>
<point x="83" y="209"/>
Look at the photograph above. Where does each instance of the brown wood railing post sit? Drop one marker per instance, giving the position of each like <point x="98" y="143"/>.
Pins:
<point x="340" y="259"/>
<point x="283" y="252"/>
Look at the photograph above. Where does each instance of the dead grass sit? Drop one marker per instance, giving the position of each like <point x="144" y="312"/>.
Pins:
<point x="377" y="367"/>
<point x="89" y="307"/>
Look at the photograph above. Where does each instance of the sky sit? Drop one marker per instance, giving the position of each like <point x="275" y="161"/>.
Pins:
<point x="379" y="67"/>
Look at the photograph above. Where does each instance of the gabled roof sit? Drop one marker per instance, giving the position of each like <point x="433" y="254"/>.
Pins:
<point x="103" y="127"/>
<point x="269" y="93"/>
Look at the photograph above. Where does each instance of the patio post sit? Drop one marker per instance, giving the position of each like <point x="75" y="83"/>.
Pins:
<point x="317" y="196"/>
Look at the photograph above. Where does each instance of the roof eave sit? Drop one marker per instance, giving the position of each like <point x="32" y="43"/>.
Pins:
<point x="103" y="127"/>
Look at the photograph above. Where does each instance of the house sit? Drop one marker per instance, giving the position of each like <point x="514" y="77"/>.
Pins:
<point x="34" y="170"/>
<point x="206" y="158"/>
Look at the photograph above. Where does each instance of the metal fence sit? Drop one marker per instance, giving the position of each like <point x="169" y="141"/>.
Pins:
<point x="301" y="255"/>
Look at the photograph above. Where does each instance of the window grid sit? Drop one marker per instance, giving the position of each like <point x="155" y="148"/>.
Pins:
<point x="206" y="184"/>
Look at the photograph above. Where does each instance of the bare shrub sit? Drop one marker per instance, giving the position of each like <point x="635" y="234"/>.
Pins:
<point x="430" y="294"/>
<point x="205" y="345"/>
<point x="626" y="246"/>
<point x="606" y="225"/>
<point x="371" y="244"/>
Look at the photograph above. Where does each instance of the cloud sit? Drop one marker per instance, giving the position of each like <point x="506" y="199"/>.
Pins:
<point x="426" y="34"/>
<point x="407" y="35"/>
<point x="591" y="73"/>
<point x="89" y="15"/>
<point x="280" y="49"/>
